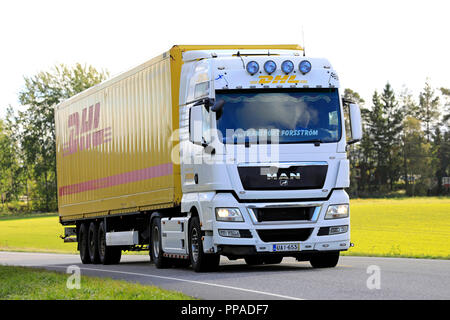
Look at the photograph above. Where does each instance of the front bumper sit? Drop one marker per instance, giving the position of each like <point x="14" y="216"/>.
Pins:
<point x="256" y="245"/>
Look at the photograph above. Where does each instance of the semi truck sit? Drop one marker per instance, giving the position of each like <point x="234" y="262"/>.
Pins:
<point x="207" y="151"/>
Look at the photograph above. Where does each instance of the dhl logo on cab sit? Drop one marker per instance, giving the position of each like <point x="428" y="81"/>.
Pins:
<point x="277" y="79"/>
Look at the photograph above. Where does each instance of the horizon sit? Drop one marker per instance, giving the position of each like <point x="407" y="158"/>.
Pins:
<point x="405" y="49"/>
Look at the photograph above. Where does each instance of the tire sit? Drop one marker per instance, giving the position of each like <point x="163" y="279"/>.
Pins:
<point x="156" y="250"/>
<point x="93" y="243"/>
<point x="254" y="260"/>
<point x="325" y="260"/>
<point x="273" y="259"/>
<point x="83" y="244"/>
<point x="107" y="254"/>
<point x="200" y="261"/>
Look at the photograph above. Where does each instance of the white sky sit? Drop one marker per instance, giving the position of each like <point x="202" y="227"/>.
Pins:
<point x="367" y="42"/>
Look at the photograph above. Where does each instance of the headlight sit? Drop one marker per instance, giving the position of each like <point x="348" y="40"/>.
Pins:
<point x="304" y="66"/>
<point x="287" y="66"/>
<point x="270" y="66"/>
<point x="252" y="67"/>
<point x="229" y="214"/>
<point x="337" y="211"/>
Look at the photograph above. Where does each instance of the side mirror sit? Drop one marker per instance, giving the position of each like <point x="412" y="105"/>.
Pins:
<point x="196" y="124"/>
<point x="218" y="108"/>
<point x="355" y="123"/>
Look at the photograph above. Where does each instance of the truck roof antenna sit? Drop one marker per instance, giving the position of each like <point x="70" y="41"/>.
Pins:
<point x="243" y="63"/>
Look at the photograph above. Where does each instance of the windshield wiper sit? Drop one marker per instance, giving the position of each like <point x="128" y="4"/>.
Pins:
<point x="316" y="142"/>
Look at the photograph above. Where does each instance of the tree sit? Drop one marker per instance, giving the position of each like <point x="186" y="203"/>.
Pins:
<point x="428" y="112"/>
<point x="392" y="134"/>
<point x="41" y="94"/>
<point x="418" y="163"/>
<point x="446" y="116"/>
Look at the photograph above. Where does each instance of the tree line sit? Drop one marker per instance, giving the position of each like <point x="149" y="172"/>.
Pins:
<point x="405" y="148"/>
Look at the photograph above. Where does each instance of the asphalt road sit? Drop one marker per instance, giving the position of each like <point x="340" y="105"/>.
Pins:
<point x="399" y="278"/>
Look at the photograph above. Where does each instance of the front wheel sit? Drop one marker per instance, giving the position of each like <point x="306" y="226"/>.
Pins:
<point x="200" y="261"/>
<point x="156" y="250"/>
<point x="325" y="260"/>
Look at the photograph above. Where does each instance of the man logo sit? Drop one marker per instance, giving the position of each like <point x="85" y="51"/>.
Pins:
<point x="284" y="183"/>
<point x="284" y="176"/>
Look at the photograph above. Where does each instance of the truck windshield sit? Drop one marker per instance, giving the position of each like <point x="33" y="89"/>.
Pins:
<point x="283" y="115"/>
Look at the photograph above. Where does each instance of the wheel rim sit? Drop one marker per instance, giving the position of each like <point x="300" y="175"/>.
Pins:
<point x="155" y="240"/>
<point x="194" y="244"/>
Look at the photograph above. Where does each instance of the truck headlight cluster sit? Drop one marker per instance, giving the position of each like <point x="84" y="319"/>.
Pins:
<point x="229" y="215"/>
<point x="337" y="211"/>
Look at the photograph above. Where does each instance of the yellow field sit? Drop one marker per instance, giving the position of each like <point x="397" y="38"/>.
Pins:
<point x="418" y="227"/>
<point x="408" y="227"/>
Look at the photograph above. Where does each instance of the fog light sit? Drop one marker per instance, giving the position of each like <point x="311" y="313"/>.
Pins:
<point x="270" y="66"/>
<point x="229" y="233"/>
<point x="338" y="229"/>
<point x="252" y="67"/>
<point x="287" y="66"/>
<point x="305" y="66"/>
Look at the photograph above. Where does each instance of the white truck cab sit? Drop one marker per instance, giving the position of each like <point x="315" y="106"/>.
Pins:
<point x="263" y="158"/>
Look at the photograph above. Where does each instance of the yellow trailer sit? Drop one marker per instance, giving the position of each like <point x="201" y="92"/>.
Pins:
<point x="114" y="141"/>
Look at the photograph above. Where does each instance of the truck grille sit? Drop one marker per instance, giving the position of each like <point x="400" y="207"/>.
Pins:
<point x="292" y="178"/>
<point x="284" y="214"/>
<point x="281" y="235"/>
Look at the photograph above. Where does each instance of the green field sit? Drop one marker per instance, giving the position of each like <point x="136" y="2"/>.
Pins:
<point x="40" y="234"/>
<point x="18" y="283"/>
<point x="407" y="227"/>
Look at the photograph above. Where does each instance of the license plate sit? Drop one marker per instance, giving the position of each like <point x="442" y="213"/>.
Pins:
<point x="286" y="247"/>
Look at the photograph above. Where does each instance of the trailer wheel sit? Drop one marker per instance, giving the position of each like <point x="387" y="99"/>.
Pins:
<point x="83" y="244"/>
<point x="107" y="254"/>
<point x="325" y="260"/>
<point x="200" y="261"/>
<point x="93" y="243"/>
<point x="156" y="250"/>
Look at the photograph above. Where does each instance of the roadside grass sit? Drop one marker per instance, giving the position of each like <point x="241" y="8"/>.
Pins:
<point x="20" y="283"/>
<point x="403" y="227"/>
<point x="399" y="227"/>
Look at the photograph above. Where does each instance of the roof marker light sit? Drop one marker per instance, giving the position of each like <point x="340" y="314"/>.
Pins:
<point x="270" y="66"/>
<point x="252" y="67"/>
<point x="305" y="66"/>
<point x="287" y="66"/>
